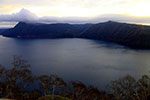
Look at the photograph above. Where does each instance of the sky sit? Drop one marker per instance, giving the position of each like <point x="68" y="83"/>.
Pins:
<point x="74" y="11"/>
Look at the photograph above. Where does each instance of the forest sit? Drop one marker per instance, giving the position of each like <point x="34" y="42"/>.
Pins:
<point x="18" y="83"/>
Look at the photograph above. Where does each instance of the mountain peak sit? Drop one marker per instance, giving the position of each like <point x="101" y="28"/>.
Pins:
<point x="110" y="21"/>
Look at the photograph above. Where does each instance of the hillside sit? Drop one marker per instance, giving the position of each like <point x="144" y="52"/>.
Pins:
<point x="46" y="30"/>
<point x="3" y="29"/>
<point x="132" y="35"/>
<point x="136" y="36"/>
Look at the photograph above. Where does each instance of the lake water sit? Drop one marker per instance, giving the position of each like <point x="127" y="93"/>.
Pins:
<point x="90" y="61"/>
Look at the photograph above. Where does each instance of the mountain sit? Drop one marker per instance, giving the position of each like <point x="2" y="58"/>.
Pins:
<point x="3" y="29"/>
<point x="137" y="36"/>
<point x="59" y="30"/>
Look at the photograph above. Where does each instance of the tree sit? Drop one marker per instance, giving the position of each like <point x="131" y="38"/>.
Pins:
<point x="94" y="94"/>
<point x="49" y="83"/>
<point x="57" y="82"/>
<point x="144" y="87"/>
<point x="79" y="90"/>
<point x="124" y="89"/>
<point x="45" y="84"/>
<point x="2" y="85"/>
<point x="1" y="71"/>
<point x="18" y="78"/>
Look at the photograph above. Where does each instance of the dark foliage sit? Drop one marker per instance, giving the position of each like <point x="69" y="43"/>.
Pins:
<point x="14" y="84"/>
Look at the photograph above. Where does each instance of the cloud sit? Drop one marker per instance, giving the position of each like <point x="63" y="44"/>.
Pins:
<point x="100" y="18"/>
<point x="27" y="16"/>
<point x="123" y="18"/>
<point x="23" y="15"/>
<point x="63" y="7"/>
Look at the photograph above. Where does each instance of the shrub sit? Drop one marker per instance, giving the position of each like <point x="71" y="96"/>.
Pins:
<point x="53" y="97"/>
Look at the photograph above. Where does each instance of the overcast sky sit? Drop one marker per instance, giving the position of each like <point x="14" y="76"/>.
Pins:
<point x="74" y="11"/>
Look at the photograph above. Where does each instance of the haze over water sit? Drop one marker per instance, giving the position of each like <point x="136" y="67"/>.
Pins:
<point x="89" y="61"/>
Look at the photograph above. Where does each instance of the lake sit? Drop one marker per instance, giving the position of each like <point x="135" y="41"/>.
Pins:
<point x="89" y="61"/>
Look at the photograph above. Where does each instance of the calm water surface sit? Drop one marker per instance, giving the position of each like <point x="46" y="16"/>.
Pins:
<point x="90" y="61"/>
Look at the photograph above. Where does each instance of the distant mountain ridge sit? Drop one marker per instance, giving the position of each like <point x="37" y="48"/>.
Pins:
<point x="3" y="29"/>
<point x="131" y="35"/>
<point x="58" y="30"/>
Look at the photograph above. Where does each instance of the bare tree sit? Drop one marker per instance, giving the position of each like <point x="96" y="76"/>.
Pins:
<point x="45" y="83"/>
<point x="144" y="87"/>
<point x="79" y="90"/>
<point x="2" y="86"/>
<point x="1" y="71"/>
<point x="18" y="78"/>
<point x="57" y="82"/>
<point x="125" y="89"/>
